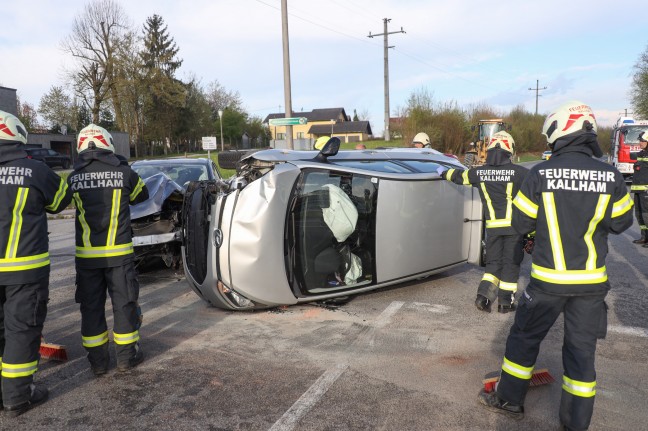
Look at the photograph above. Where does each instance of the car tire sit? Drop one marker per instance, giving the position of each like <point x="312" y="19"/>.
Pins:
<point x="229" y="159"/>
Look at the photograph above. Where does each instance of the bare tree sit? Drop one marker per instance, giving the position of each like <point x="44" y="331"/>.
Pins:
<point x="96" y="32"/>
<point x="219" y="98"/>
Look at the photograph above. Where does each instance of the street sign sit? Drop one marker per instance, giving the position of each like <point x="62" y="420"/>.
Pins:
<point x="209" y="143"/>
<point x="294" y="121"/>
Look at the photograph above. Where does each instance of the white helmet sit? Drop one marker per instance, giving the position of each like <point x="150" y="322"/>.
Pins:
<point x="421" y="138"/>
<point x="93" y="137"/>
<point x="502" y="140"/>
<point x="569" y="118"/>
<point x="11" y="129"/>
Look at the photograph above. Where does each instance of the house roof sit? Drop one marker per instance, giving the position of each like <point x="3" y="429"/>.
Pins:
<point x="341" y="127"/>
<point x="324" y="114"/>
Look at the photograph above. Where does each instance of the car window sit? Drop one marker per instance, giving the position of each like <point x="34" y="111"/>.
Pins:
<point x="178" y="173"/>
<point x="373" y="165"/>
<point x="332" y="229"/>
<point x="52" y="153"/>
<point x="422" y="166"/>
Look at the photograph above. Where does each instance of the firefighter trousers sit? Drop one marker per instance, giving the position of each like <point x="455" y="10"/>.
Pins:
<point x="23" y="308"/>
<point x="504" y="254"/>
<point x="641" y="210"/>
<point x="121" y="284"/>
<point x="585" y="320"/>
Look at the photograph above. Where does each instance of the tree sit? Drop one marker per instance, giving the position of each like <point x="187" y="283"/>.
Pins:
<point x="56" y="108"/>
<point x="639" y="87"/>
<point x="95" y="34"/>
<point x="27" y="115"/>
<point x="220" y="98"/>
<point x="165" y="94"/>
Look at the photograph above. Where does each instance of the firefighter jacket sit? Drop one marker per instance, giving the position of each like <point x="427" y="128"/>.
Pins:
<point x="28" y="189"/>
<point x="573" y="202"/>
<point x="640" y="173"/>
<point x="497" y="185"/>
<point x="103" y="188"/>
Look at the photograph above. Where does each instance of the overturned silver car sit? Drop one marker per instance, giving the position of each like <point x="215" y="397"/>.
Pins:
<point x="301" y="226"/>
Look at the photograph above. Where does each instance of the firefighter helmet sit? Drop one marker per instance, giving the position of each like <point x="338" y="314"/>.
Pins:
<point x="93" y="137"/>
<point x="502" y="140"/>
<point x="643" y="137"/>
<point x="568" y="118"/>
<point x="421" y="138"/>
<point x="321" y="141"/>
<point x="11" y="129"/>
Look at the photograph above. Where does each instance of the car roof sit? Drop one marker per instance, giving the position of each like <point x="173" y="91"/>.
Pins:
<point x="171" y="162"/>
<point x="275" y="155"/>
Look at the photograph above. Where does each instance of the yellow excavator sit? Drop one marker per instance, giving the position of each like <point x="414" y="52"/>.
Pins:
<point x="476" y="154"/>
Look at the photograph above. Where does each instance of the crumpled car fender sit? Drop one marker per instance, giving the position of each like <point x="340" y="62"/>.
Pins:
<point x="160" y="188"/>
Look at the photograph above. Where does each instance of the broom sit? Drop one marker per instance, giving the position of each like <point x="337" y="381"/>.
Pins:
<point x="54" y="352"/>
<point x="538" y="378"/>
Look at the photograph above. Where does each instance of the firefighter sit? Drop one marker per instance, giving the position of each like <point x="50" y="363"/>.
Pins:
<point x="639" y="188"/>
<point x="573" y="202"/>
<point x="421" y="140"/>
<point x="28" y="189"/>
<point x="497" y="181"/>
<point x="103" y="187"/>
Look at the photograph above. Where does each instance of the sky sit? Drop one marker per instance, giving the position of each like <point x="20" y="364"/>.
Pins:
<point x="466" y="52"/>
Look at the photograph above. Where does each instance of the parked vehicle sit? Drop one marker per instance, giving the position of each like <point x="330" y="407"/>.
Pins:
<point x="624" y="143"/>
<point x="156" y="221"/>
<point x="50" y="157"/>
<point x="301" y="226"/>
<point x="546" y="155"/>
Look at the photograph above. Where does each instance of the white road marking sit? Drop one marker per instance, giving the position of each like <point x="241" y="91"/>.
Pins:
<point x="306" y="402"/>
<point x="629" y="330"/>
<point x="431" y="308"/>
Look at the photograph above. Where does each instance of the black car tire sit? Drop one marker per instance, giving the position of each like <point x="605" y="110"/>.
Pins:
<point x="229" y="159"/>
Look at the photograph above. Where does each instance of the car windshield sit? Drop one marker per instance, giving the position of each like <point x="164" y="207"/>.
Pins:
<point x="180" y="173"/>
<point x="373" y="165"/>
<point x="632" y="134"/>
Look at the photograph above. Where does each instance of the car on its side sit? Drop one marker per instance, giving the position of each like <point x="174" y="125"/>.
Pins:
<point x="156" y="222"/>
<point x="50" y="157"/>
<point x="546" y="155"/>
<point x="302" y="226"/>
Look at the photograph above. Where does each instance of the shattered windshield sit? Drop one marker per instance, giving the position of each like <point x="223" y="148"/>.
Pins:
<point x="632" y="134"/>
<point x="178" y="173"/>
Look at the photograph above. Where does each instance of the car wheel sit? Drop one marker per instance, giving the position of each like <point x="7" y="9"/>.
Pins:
<point x="228" y="159"/>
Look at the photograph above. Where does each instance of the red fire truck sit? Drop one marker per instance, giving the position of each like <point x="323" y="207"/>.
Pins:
<point x="625" y="141"/>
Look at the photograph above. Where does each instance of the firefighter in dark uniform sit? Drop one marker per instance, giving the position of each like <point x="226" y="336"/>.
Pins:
<point x="28" y="189"/>
<point x="497" y="181"/>
<point x="103" y="187"/>
<point x="639" y="188"/>
<point x="573" y="202"/>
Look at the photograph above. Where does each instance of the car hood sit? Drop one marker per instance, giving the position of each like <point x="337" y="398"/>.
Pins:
<point x="160" y="188"/>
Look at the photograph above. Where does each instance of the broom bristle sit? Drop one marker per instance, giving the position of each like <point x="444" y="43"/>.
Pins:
<point x="538" y="378"/>
<point x="54" y="352"/>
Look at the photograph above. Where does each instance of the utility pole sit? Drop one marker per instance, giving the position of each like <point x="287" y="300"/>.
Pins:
<point x="537" y="89"/>
<point x="625" y="112"/>
<point x="385" y="35"/>
<point x="286" y="68"/>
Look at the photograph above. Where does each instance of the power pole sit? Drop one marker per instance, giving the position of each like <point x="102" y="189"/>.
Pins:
<point x="286" y="68"/>
<point x="385" y="35"/>
<point x="625" y="112"/>
<point x="537" y="89"/>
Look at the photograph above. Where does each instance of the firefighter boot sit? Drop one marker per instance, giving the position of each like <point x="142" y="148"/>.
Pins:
<point x="482" y="303"/>
<point x="99" y="358"/>
<point x="133" y="361"/>
<point x="643" y="239"/>
<point x="38" y="396"/>
<point x="506" y="303"/>
<point x="498" y="405"/>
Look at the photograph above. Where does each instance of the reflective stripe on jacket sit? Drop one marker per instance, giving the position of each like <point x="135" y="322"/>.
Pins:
<point x="572" y="202"/>
<point x="497" y="187"/>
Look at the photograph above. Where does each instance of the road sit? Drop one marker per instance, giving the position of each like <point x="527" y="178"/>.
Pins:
<point x="410" y="357"/>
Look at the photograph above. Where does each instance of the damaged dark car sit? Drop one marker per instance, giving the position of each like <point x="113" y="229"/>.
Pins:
<point x="156" y="222"/>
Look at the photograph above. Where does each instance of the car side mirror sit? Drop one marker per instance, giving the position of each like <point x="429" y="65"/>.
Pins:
<point x="331" y="148"/>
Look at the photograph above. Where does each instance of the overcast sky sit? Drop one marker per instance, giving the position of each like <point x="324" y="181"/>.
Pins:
<point x="465" y="51"/>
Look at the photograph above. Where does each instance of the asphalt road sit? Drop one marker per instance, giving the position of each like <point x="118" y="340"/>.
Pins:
<point x="410" y="357"/>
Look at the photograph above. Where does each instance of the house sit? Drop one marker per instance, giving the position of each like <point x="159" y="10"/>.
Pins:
<point x="320" y="122"/>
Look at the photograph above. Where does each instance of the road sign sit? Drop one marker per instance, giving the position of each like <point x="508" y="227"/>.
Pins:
<point x="209" y="143"/>
<point x="294" y="121"/>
